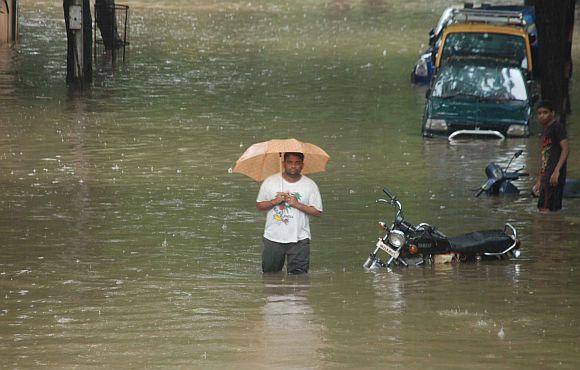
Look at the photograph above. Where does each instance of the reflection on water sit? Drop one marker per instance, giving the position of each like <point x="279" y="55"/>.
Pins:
<point x="125" y="242"/>
<point x="288" y="334"/>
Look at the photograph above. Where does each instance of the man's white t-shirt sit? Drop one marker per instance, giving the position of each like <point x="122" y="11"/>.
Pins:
<point x="285" y="224"/>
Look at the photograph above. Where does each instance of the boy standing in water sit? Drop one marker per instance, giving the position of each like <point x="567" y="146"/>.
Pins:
<point x="549" y="186"/>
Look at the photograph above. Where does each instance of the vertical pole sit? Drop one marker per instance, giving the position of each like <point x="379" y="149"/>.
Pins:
<point x="14" y="20"/>
<point x="125" y="32"/>
<point x="95" y="33"/>
<point x="78" y="45"/>
<point x="78" y="23"/>
<point x="568" y="52"/>
<point x="555" y="22"/>
<point x="113" y="23"/>
<point x="5" y="22"/>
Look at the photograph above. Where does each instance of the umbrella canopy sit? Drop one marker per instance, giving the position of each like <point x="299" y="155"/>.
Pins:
<point x="264" y="159"/>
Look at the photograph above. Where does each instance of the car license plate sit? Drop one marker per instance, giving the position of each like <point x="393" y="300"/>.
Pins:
<point x="393" y="253"/>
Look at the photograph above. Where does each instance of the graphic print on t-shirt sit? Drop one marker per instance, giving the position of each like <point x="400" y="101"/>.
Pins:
<point x="545" y="154"/>
<point x="282" y="211"/>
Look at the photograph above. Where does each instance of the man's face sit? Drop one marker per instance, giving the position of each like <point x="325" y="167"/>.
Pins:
<point x="545" y="116"/>
<point x="293" y="165"/>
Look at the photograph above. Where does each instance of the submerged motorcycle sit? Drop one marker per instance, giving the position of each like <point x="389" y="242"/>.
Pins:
<point x="405" y="243"/>
<point x="499" y="181"/>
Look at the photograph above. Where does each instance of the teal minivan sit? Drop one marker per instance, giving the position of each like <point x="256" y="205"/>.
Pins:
<point x="483" y="99"/>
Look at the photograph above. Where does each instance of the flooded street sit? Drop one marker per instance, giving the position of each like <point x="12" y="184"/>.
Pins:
<point x="125" y="241"/>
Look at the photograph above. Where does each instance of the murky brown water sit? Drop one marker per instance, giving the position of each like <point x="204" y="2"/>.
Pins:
<point x="125" y="242"/>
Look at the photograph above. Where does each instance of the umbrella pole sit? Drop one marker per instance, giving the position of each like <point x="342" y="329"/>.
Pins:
<point x="280" y="165"/>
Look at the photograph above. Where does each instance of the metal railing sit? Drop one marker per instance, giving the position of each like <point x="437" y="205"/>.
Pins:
<point x="112" y="20"/>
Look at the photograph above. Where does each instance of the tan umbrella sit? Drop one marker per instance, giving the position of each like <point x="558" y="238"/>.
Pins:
<point x="264" y="159"/>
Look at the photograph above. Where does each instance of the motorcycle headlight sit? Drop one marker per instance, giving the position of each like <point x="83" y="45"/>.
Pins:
<point x="396" y="238"/>
<point x="436" y="124"/>
<point x="497" y="172"/>
<point x="518" y="130"/>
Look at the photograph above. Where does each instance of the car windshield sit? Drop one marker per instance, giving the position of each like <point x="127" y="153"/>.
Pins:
<point x="510" y="48"/>
<point x="480" y="82"/>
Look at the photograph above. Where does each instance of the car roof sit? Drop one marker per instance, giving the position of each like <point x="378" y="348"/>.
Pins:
<point x="520" y="16"/>
<point x="485" y="28"/>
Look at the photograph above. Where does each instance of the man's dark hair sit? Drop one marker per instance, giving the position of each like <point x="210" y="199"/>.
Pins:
<point x="547" y="104"/>
<point x="297" y="154"/>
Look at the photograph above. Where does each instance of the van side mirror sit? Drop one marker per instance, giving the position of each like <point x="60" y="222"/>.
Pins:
<point x="533" y="89"/>
<point x="432" y="37"/>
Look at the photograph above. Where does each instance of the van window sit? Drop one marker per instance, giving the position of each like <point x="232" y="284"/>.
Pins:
<point x="483" y="45"/>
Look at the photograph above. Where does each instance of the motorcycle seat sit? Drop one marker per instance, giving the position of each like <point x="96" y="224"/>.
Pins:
<point x="487" y="241"/>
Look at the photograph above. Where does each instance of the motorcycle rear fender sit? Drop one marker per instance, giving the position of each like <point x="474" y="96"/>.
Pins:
<point x="510" y="231"/>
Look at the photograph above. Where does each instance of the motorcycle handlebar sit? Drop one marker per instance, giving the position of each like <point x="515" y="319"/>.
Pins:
<point x="388" y="193"/>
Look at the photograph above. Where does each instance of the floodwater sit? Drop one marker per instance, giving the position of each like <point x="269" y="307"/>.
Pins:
<point x="126" y="243"/>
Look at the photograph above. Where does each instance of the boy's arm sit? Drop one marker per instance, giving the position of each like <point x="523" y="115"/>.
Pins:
<point x="538" y="183"/>
<point x="563" y="156"/>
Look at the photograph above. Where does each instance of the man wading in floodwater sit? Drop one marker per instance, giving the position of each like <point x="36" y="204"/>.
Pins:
<point x="290" y="199"/>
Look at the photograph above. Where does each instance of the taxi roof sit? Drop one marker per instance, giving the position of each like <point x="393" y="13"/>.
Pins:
<point x="484" y="27"/>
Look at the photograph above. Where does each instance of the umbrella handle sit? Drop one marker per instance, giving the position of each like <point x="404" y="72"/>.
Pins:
<point x="281" y="182"/>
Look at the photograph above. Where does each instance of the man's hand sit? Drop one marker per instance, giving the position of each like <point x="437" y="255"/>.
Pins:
<point x="280" y="197"/>
<point x="292" y="201"/>
<point x="269" y="204"/>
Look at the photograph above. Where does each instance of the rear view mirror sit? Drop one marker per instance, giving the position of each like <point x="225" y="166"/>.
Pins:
<point x="432" y="37"/>
<point x="533" y="90"/>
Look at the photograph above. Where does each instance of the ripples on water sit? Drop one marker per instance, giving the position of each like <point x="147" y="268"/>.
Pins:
<point x="126" y="243"/>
